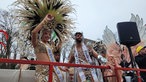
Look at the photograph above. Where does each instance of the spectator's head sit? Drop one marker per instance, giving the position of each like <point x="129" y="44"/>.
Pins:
<point x="24" y="58"/>
<point x="57" y="55"/>
<point x="32" y="59"/>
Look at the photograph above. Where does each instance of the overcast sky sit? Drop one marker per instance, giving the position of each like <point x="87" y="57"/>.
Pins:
<point x="92" y="16"/>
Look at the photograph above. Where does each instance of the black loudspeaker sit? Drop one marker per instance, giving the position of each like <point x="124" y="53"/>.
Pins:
<point x="128" y="33"/>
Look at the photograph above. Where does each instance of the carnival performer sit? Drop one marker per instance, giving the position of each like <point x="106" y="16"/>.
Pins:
<point x="43" y="50"/>
<point x="80" y="55"/>
<point x="40" y="20"/>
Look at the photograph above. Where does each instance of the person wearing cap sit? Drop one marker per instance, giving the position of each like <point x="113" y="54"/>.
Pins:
<point x="140" y="60"/>
<point x="81" y="54"/>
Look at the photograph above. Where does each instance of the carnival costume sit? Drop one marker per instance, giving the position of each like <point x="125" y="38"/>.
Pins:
<point x="85" y="74"/>
<point x="42" y="71"/>
<point x="31" y="12"/>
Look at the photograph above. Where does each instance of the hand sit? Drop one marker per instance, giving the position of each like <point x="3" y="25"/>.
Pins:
<point x="65" y="69"/>
<point x="49" y="17"/>
<point x="90" y="50"/>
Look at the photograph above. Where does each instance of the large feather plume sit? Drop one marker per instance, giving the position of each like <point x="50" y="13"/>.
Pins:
<point x="140" y="26"/>
<point x="32" y="12"/>
<point x="108" y="37"/>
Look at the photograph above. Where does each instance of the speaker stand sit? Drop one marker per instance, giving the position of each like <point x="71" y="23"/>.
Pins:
<point x="134" y="77"/>
<point x="133" y="63"/>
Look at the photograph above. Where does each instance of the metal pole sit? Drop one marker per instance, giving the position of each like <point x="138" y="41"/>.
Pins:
<point x="138" y="75"/>
<point x="131" y="57"/>
<point x="116" y="73"/>
<point x="50" y="73"/>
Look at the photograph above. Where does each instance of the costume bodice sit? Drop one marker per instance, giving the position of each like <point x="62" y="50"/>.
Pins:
<point x="40" y="48"/>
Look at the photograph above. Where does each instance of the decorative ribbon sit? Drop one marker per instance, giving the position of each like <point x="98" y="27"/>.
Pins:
<point x="52" y="59"/>
<point x="79" y="69"/>
<point x="88" y="58"/>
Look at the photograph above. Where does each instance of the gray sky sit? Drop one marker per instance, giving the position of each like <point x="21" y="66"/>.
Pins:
<point x="92" y="16"/>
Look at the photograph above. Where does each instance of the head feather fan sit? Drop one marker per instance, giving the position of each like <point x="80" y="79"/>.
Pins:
<point x="32" y="12"/>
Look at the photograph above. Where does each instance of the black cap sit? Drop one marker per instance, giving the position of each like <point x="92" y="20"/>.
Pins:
<point x="78" y="33"/>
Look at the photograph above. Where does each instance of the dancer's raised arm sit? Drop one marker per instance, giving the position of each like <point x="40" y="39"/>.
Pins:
<point x="34" y="37"/>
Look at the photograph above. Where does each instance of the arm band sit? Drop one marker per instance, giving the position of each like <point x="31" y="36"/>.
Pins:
<point x="102" y="59"/>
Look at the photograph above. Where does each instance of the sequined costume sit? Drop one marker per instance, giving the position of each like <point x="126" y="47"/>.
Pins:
<point x="83" y="74"/>
<point x="42" y="71"/>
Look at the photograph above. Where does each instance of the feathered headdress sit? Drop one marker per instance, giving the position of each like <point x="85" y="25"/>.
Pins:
<point x="32" y="12"/>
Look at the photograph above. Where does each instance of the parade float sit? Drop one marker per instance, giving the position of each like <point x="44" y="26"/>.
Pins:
<point x="108" y="46"/>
